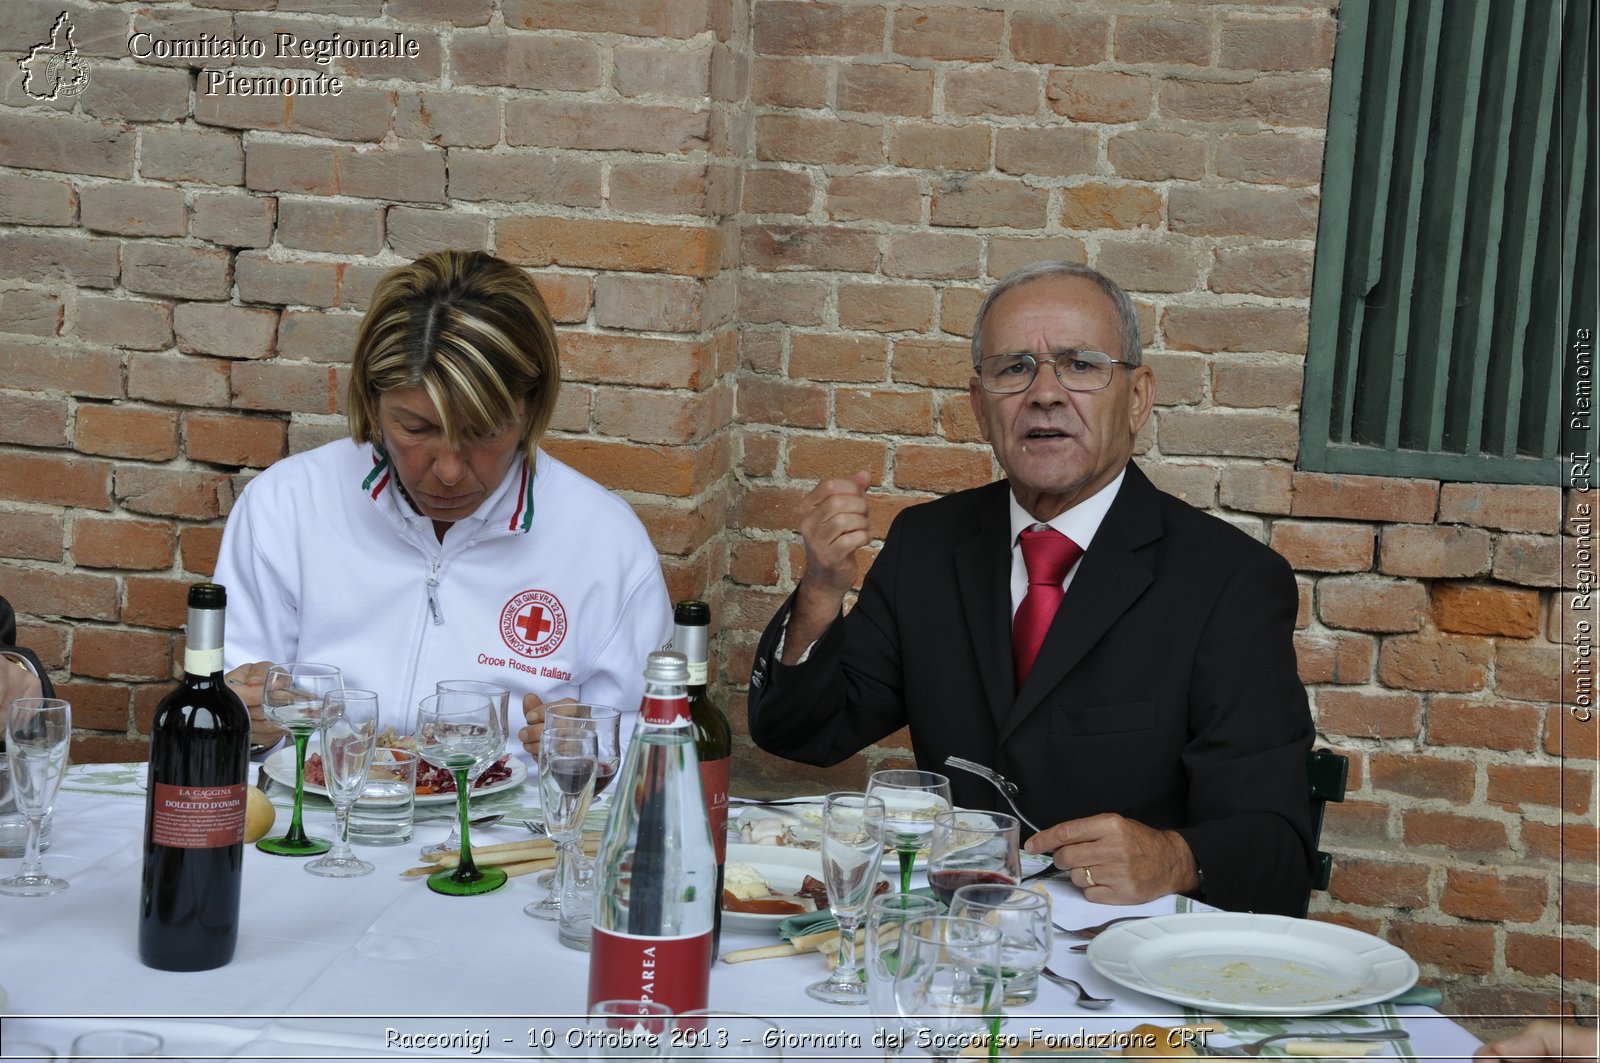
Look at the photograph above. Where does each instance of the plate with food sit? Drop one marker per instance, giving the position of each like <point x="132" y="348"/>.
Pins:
<point x="435" y="785"/>
<point x="765" y="884"/>
<point x="1252" y="964"/>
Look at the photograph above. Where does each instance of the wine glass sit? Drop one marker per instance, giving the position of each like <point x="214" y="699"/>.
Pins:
<point x="349" y="736"/>
<point x="887" y="917"/>
<point x="606" y="724"/>
<point x="1023" y="918"/>
<point x="38" y="735"/>
<point x="567" y="763"/>
<point x="625" y="1029"/>
<point x="911" y="799"/>
<point x="948" y="982"/>
<point x="852" y="849"/>
<point x="970" y="847"/>
<point x="292" y="697"/>
<point x="502" y="698"/>
<point x="460" y="732"/>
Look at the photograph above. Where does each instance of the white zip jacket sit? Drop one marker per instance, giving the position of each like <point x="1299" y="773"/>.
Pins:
<point x="551" y="588"/>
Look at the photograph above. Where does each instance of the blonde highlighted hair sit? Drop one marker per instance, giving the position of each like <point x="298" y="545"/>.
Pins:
<point x="473" y="332"/>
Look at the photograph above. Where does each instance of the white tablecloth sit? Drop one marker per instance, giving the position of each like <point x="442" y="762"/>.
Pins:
<point x="331" y="968"/>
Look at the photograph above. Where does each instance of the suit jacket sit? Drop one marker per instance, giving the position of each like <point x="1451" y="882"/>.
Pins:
<point x="8" y="640"/>
<point x="1166" y="689"/>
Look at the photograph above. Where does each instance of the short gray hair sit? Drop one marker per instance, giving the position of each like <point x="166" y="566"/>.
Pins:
<point x="1127" y="319"/>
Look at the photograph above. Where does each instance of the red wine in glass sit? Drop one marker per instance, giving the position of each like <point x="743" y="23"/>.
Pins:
<point x="945" y="883"/>
<point x="604" y="771"/>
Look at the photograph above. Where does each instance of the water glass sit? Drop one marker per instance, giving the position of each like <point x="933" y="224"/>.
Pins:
<point x="13" y="824"/>
<point x="626" y="1029"/>
<point x="1022" y="916"/>
<point x="349" y="736"/>
<point x="887" y="917"/>
<point x="971" y="847"/>
<point x="577" y="902"/>
<point x="706" y="1033"/>
<point x="38" y="738"/>
<point x="852" y="849"/>
<point x="382" y="814"/>
<point x="116" y="1044"/>
<point x="948" y="982"/>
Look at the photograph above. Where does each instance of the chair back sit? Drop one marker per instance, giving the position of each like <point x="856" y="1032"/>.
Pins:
<point x="1329" y="773"/>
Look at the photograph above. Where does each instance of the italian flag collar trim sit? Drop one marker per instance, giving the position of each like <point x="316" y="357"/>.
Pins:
<point x="521" y="517"/>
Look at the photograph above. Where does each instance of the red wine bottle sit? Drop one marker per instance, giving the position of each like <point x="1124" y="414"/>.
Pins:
<point x="195" y="812"/>
<point x="713" y="738"/>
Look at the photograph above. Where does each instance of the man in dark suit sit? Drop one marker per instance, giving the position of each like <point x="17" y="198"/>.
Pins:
<point x="1123" y="657"/>
<point x="21" y="674"/>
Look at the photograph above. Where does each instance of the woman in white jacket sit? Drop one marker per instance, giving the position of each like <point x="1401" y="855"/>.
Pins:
<point x="438" y="541"/>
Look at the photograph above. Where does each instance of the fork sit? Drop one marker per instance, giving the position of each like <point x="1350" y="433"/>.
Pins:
<point x="536" y="826"/>
<point x="1085" y="1000"/>
<point x="1007" y="788"/>
<point x="1254" y="1047"/>
<point x="1089" y="932"/>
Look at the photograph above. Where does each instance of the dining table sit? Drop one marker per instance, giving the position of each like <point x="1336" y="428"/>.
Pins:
<point x="380" y="967"/>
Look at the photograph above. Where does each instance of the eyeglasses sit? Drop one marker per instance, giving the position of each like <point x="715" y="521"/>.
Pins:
<point x="1008" y="374"/>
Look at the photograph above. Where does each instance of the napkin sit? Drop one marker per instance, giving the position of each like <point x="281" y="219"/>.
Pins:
<point x="814" y="922"/>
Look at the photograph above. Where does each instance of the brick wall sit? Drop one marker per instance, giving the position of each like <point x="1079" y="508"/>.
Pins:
<point x="764" y="227"/>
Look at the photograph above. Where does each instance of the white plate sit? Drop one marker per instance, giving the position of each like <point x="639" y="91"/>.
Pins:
<point x="784" y="868"/>
<point x="1252" y="964"/>
<point x="280" y="768"/>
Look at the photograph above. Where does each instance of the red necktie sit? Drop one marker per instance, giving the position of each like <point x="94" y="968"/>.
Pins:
<point x="1049" y="556"/>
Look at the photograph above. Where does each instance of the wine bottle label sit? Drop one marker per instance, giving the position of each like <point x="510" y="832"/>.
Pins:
<point x="664" y="712"/>
<point x="202" y="662"/>
<point x="198" y="817"/>
<point x="674" y="971"/>
<point x="714" y="781"/>
<point x="698" y="670"/>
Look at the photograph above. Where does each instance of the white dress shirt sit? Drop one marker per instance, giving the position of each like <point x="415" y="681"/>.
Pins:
<point x="1078" y="524"/>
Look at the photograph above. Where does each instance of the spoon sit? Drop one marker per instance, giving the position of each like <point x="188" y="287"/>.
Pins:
<point x="1085" y="1000"/>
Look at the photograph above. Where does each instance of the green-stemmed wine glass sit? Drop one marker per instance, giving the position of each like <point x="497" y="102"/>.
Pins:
<point x="460" y="731"/>
<point x="911" y="799"/>
<point x="293" y="698"/>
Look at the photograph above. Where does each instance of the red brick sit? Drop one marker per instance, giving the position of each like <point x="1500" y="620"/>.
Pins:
<point x="41" y="592"/>
<point x="176" y="270"/>
<point x="1255" y="383"/>
<point x="769" y="191"/>
<point x="190" y="154"/>
<point x="1255" y="488"/>
<point x="947" y="33"/>
<point x="337" y="228"/>
<point x="1008" y="253"/>
<point x="926" y="146"/>
<point x="883" y="412"/>
<point x="1334" y="658"/>
<point x="789" y="27"/>
<point x="1542" y="956"/>
<point x="1365" y="714"/>
<point x="1270" y="159"/>
<point x="657" y="304"/>
<point x="1235" y="328"/>
<point x="150" y="601"/>
<point x="991" y="90"/>
<point x="634" y="360"/>
<point x="674" y="471"/>
<point x="32" y="313"/>
<point x="225" y="331"/>
<point x="932" y="255"/>
<point x="234" y="219"/>
<point x="1300" y="100"/>
<point x="1434" y="662"/>
<point x="1264" y="213"/>
<point x="1505" y="507"/>
<point x="1477" y="725"/>
<point x="1282" y="272"/>
<point x="230" y="439"/>
<point x="280" y="386"/>
<point x="1486" y="610"/>
<point x="818" y="140"/>
<point x="958" y="307"/>
<point x="65" y="143"/>
<point x="957" y="422"/>
<point x="1099" y="96"/>
<point x="1194" y="484"/>
<point x="789" y="83"/>
<point x="566" y="295"/>
<point x="1514" y="786"/>
<point x="663" y="417"/>
<point x="33" y="422"/>
<point x="1529" y="560"/>
<point x="133" y="210"/>
<point x="931" y="363"/>
<point x="1258" y="435"/>
<point x="1532" y="672"/>
<point x="885" y="307"/>
<point x="88" y="261"/>
<point x="681" y="19"/>
<point x="171" y="492"/>
<point x="106" y="653"/>
<point x="1350" y="497"/>
<point x="1572" y="843"/>
<point x="1103" y="206"/>
<point x="1162" y="40"/>
<point x="103" y="706"/>
<point x="605" y="244"/>
<point x="828" y="247"/>
<point x="754" y="563"/>
<point x="1359" y="824"/>
<point x="941" y="468"/>
<point x="1059" y="39"/>
<point x="659" y="188"/>
<point x="358" y="113"/>
<point x="989" y="202"/>
<point x="451" y="119"/>
<point x="1371" y="603"/>
<point x="1571" y="737"/>
<point x="1434" y="553"/>
<point x="1146" y="265"/>
<point x="1454" y="949"/>
<point x="54" y="479"/>
<point x="875" y="197"/>
<point x="652" y="70"/>
<point x="199" y="548"/>
<point x="1155" y="155"/>
<point x="886" y="88"/>
<point x="850" y="358"/>
<point x="1580" y="903"/>
<point x="125" y="544"/>
<point x="1276" y="44"/>
<point x="765" y="300"/>
<point x="769" y="509"/>
<point x="126" y="432"/>
<point x="1379" y="884"/>
<point x="1462" y="835"/>
<point x="819" y="457"/>
<point x="518" y="177"/>
<point x="782" y="402"/>
<point x="525" y="61"/>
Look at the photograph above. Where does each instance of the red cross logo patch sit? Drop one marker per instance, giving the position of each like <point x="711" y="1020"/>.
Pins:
<point x="533" y="623"/>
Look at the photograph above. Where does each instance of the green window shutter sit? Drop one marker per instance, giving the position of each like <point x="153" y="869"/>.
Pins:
<point x="1456" y="247"/>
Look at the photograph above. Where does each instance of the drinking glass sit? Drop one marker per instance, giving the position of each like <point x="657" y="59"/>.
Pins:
<point x="605" y="721"/>
<point x="887" y="917"/>
<point x="292" y="697"/>
<point x="349" y="735"/>
<point x="626" y="1029"/>
<point x="38" y="735"/>
<point x="852" y="849"/>
<point x="502" y="699"/>
<point x="707" y="1033"/>
<point x="567" y="762"/>
<point x="460" y="732"/>
<point x="948" y="982"/>
<point x="911" y="799"/>
<point x="972" y="847"/>
<point x="1023" y="918"/>
<point x="116" y="1044"/>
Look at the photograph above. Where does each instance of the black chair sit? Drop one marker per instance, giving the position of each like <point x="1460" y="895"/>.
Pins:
<point x="1330" y="774"/>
